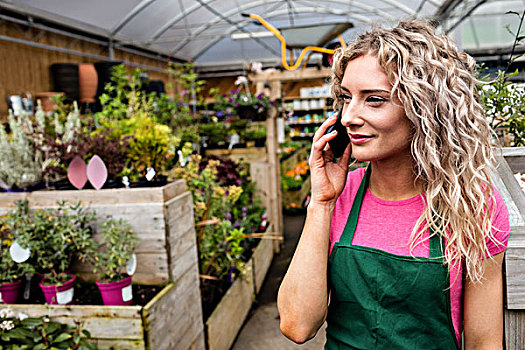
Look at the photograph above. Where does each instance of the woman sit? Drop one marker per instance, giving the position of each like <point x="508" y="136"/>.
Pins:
<point x="407" y="254"/>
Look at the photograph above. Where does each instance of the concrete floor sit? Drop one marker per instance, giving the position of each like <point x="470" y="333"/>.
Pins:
<point x="261" y="330"/>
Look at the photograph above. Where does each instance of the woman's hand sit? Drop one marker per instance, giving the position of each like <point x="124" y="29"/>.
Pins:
<point x="328" y="178"/>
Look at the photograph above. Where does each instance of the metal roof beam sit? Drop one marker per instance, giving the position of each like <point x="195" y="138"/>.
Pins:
<point x="443" y="16"/>
<point x="132" y="14"/>
<point x="358" y="5"/>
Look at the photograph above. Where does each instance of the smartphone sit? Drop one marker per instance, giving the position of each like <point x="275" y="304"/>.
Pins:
<point x="339" y="143"/>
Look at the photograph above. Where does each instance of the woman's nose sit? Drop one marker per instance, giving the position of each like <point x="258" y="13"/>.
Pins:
<point x="351" y="114"/>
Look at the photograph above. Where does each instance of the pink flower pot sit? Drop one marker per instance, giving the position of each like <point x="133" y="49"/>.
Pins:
<point x="9" y="292"/>
<point x="116" y="293"/>
<point x="62" y="295"/>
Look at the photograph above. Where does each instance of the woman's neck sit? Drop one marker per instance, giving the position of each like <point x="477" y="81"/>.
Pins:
<point x="393" y="181"/>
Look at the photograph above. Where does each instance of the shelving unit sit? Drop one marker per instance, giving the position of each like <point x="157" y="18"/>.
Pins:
<point x="305" y="114"/>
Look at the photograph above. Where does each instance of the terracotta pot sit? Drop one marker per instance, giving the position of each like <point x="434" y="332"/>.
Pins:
<point x="62" y="294"/>
<point x="9" y="292"/>
<point x="116" y="293"/>
<point x="88" y="82"/>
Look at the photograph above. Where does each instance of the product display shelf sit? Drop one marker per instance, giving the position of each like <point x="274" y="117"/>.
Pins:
<point x="305" y="114"/>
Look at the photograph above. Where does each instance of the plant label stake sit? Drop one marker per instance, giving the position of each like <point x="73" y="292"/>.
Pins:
<point x="97" y="173"/>
<point x="27" y="287"/>
<point x="76" y="173"/>
<point x="131" y="265"/>
<point x="150" y="173"/>
<point x="127" y="293"/>
<point x="19" y="254"/>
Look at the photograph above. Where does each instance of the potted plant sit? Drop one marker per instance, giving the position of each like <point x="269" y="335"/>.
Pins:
<point x="11" y="272"/>
<point x="52" y="239"/>
<point x="115" y="262"/>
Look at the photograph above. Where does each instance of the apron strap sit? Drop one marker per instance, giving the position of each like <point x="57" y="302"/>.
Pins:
<point x="351" y="223"/>
<point x="435" y="241"/>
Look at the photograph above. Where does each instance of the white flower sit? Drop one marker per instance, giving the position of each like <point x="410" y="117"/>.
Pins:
<point x="22" y="316"/>
<point x="6" y="313"/>
<point x="7" y="325"/>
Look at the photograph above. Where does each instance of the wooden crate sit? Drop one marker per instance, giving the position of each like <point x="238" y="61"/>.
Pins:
<point x="226" y="320"/>
<point x="163" y="220"/>
<point x="512" y="160"/>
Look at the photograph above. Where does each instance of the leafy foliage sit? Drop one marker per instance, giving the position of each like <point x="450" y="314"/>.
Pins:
<point x="117" y="246"/>
<point x="19" y="332"/>
<point x="226" y="208"/>
<point x="10" y="271"/>
<point x="54" y="236"/>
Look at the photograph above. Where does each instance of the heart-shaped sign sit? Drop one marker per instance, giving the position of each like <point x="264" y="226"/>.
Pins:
<point x="76" y="173"/>
<point x="97" y="173"/>
<point x="19" y="254"/>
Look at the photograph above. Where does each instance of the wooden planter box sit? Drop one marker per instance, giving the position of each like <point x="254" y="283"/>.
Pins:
<point x="512" y="161"/>
<point x="226" y="320"/>
<point x="162" y="218"/>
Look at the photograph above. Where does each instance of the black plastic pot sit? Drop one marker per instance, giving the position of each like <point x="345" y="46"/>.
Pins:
<point x="65" y="79"/>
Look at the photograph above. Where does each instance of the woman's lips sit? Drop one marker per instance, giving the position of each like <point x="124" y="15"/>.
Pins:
<point x="359" y="139"/>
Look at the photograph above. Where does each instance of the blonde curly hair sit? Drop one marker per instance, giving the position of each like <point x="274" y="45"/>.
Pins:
<point x="451" y="138"/>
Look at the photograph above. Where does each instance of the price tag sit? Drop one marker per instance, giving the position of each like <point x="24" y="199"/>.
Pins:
<point x="19" y="254"/>
<point x="127" y="293"/>
<point x="0" y="297"/>
<point x="131" y="265"/>
<point x="65" y="296"/>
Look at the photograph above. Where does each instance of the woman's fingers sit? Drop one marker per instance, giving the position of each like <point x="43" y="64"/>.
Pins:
<point x="322" y="129"/>
<point x="319" y="147"/>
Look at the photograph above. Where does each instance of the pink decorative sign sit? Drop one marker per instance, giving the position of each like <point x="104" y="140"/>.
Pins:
<point x="76" y="173"/>
<point x="97" y="173"/>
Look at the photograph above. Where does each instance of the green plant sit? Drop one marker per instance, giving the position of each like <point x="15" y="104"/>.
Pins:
<point x="24" y="155"/>
<point x="55" y="237"/>
<point x="10" y="271"/>
<point x="117" y="245"/>
<point x="230" y="103"/>
<point x="504" y="101"/>
<point x="19" y="332"/>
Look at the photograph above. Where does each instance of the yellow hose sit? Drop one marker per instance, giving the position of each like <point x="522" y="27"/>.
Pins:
<point x="283" y="45"/>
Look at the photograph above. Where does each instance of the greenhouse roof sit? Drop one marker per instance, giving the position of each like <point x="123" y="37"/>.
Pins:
<point x="215" y="33"/>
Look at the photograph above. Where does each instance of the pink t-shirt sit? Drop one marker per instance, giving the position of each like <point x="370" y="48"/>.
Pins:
<point x="387" y="225"/>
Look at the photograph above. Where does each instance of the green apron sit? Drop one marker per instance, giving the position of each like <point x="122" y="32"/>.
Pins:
<point x="386" y="301"/>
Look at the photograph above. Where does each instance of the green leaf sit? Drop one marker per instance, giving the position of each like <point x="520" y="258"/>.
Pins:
<point x="40" y="347"/>
<point x="62" y="337"/>
<point x="32" y="322"/>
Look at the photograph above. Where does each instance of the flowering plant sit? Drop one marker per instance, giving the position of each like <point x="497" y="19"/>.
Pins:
<point x="10" y="271"/>
<point x="18" y="332"/>
<point x="118" y="245"/>
<point x="231" y="104"/>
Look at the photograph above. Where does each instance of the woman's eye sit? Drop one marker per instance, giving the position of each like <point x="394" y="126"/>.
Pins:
<point x="376" y="99"/>
<point x="345" y="98"/>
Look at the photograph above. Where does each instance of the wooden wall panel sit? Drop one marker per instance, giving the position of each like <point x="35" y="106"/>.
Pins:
<point x="24" y="68"/>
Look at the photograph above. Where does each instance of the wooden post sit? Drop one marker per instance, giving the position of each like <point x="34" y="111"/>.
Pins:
<point x="275" y="214"/>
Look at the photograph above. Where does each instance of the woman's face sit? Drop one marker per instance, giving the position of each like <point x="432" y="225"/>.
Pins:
<point x="377" y="125"/>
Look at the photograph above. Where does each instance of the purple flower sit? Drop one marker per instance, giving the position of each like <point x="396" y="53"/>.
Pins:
<point x="219" y="114"/>
<point x="229" y="115"/>
<point x="259" y="97"/>
<point x="228" y="216"/>
<point x="237" y="104"/>
<point x="230" y="100"/>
